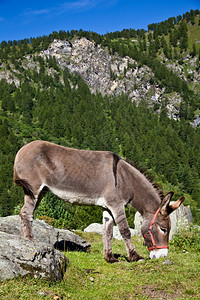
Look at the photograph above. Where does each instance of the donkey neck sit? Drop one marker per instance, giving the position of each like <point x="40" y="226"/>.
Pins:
<point x="146" y="198"/>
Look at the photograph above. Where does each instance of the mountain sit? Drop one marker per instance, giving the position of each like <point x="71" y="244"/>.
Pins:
<point x="132" y="92"/>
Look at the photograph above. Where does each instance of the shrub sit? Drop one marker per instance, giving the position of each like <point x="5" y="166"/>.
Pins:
<point x="188" y="240"/>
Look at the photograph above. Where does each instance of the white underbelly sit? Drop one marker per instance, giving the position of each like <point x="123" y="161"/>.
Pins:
<point x="77" y="198"/>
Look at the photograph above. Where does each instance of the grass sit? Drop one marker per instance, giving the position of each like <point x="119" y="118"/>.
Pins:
<point x="90" y="277"/>
<point x="194" y="34"/>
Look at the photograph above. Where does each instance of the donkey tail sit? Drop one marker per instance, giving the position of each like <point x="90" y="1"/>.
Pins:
<point x="28" y="190"/>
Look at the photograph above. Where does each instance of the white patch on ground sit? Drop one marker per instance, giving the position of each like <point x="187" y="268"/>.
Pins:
<point x="158" y="253"/>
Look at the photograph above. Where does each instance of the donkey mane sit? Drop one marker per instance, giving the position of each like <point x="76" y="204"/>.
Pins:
<point x="147" y="175"/>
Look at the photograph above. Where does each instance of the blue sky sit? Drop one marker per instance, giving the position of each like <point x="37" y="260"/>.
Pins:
<point x="25" y="19"/>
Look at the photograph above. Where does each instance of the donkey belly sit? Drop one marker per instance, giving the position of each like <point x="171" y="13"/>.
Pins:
<point x="77" y="197"/>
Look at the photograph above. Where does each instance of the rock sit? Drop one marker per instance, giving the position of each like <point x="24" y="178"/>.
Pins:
<point x="196" y="122"/>
<point x="59" y="238"/>
<point x="98" y="228"/>
<point x="40" y="258"/>
<point x="138" y="223"/>
<point x="94" y="227"/>
<point x="20" y="257"/>
<point x="180" y="219"/>
<point x="167" y="262"/>
<point x="58" y="48"/>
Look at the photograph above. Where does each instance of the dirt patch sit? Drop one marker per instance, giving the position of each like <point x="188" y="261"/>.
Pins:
<point x="153" y="293"/>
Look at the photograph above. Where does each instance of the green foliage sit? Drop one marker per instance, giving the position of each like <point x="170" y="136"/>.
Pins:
<point x="187" y="240"/>
<point x="65" y="215"/>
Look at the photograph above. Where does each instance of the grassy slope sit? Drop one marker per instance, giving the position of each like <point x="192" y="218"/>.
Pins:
<point x="194" y="34"/>
<point x="89" y="276"/>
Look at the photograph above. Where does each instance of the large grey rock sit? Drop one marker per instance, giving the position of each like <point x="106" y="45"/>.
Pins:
<point x="180" y="219"/>
<point x="23" y="257"/>
<point x="59" y="238"/>
<point x="98" y="228"/>
<point x="19" y="256"/>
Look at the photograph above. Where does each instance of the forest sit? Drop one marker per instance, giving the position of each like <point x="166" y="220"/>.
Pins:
<point x="65" y="112"/>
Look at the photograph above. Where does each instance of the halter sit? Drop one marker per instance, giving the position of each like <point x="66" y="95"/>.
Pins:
<point x="151" y="235"/>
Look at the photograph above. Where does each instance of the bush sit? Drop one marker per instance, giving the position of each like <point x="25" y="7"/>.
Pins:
<point x="188" y="240"/>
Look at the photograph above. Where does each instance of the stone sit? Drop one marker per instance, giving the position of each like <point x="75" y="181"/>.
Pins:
<point x="98" y="228"/>
<point x="40" y="258"/>
<point x="59" y="238"/>
<point x="167" y="262"/>
<point x="20" y="257"/>
<point x="181" y="218"/>
<point x="138" y="223"/>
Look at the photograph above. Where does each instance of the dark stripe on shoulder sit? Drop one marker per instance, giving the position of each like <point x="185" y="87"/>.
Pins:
<point x="116" y="159"/>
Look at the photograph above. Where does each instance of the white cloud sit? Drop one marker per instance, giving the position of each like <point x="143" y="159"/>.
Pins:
<point x="78" y="5"/>
<point x="66" y="6"/>
<point x="40" y="12"/>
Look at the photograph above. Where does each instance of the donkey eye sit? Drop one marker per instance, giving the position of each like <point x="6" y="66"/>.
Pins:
<point x="164" y="230"/>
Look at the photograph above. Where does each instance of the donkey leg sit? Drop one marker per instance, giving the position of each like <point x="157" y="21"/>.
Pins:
<point x="26" y="217"/>
<point x="107" y="237"/>
<point x="122" y="224"/>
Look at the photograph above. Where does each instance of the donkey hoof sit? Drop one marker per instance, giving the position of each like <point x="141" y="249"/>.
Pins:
<point x="134" y="256"/>
<point x="111" y="259"/>
<point x="30" y="238"/>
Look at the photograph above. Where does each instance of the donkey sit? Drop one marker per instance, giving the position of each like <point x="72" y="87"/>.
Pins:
<point x="94" y="178"/>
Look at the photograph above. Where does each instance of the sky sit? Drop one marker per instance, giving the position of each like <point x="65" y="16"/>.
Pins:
<point x="25" y="19"/>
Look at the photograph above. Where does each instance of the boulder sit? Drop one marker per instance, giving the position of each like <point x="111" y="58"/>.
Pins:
<point x="59" y="238"/>
<point x="180" y="219"/>
<point x="20" y="257"/>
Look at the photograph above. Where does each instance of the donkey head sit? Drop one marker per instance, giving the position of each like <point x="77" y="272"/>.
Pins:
<point x="155" y="228"/>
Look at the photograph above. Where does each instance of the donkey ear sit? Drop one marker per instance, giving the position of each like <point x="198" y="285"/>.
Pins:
<point x="175" y="205"/>
<point x="165" y="204"/>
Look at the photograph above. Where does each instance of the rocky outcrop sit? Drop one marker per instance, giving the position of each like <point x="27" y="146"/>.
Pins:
<point x="40" y="258"/>
<point x="8" y="76"/>
<point x="103" y="72"/>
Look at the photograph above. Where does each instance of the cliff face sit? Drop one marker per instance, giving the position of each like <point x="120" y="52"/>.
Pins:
<point x="111" y="75"/>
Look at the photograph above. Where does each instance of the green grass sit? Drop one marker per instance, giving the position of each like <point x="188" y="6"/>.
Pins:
<point x="89" y="276"/>
<point x="194" y="34"/>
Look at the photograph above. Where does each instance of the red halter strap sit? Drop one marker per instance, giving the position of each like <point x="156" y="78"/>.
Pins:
<point x="154" y="246"/>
